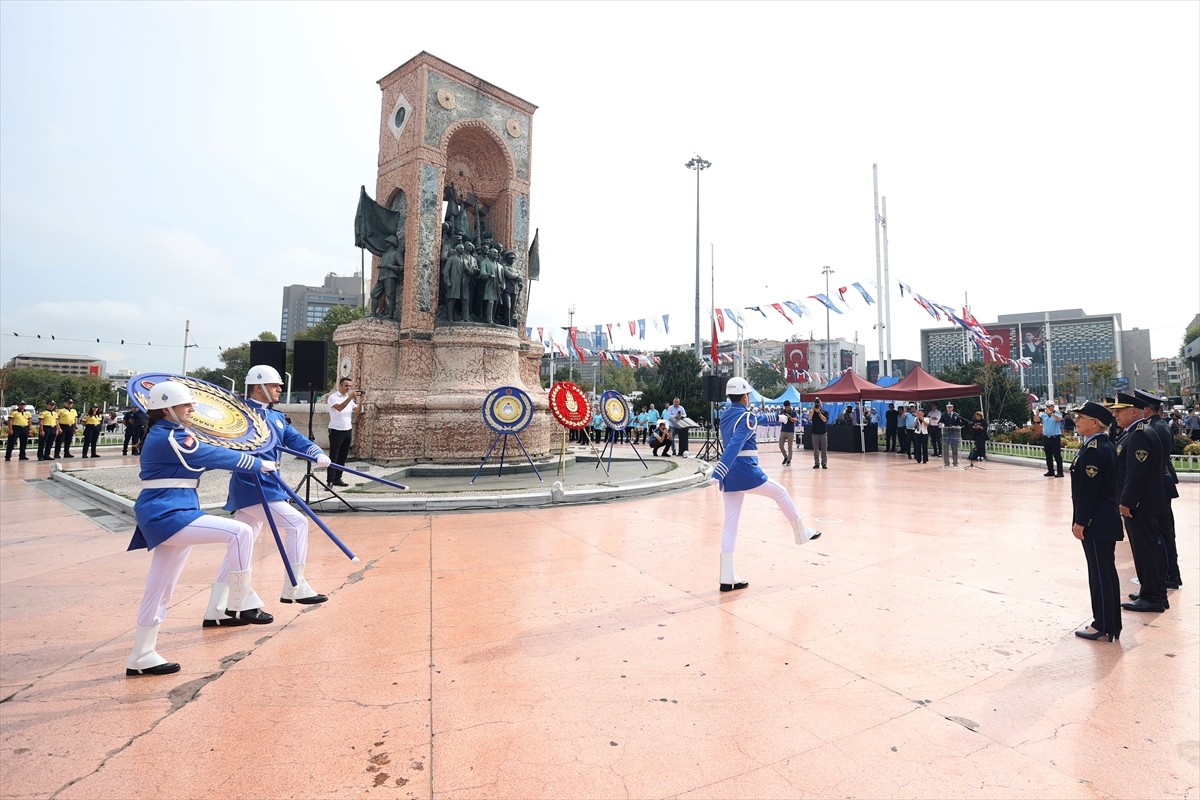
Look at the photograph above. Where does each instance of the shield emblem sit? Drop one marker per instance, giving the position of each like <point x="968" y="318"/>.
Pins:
<point x="1141" y="455"/>
<point x="1092" y="471"/>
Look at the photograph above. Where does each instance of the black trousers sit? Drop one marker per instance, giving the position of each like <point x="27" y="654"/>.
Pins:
<point x="905" y="445"/>
<point x="1148" y="557"/>
<point x="890" y="442"/>
<point x="91" y="437"/>
<point x="1053" y="446"/>
<point x="339" y="450"/>
<point x="20" y="433"/>
<point x="1105" y="585"/>
<point x="920" y="447"/>
<point x="46" y="443"/>
<point x="66" y="435"/>
<point x="1166" y="532"/>
<point x="935" y="439"/>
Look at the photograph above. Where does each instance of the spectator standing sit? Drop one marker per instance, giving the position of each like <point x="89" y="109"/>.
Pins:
<point x="91" y="430"/>
<point x="910" y="422"/>
<point x="135" y="431"/>
<point x="675" y="415"/>
<point x="47" y="431"/>
<point x="978" y="428"/>
<point x="342" y="403"/>
<point x="935" y="429"/>
<point x="18" y="432"/>
<point x="1095" y="521"/>
<point x="67" y="418"/>
<point x="1192" y="425"/>
<point x="652" y="418"/>
<point x="1052" y="428"/>
<point x="820" y="435"/>
<point x="920" y="434"/>
<point x="787" y="431"/>
<point x="892" y="422"/>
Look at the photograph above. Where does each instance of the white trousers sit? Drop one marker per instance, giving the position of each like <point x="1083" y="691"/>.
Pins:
<point x="292" y="525"/>
<point x="168" y="559"/>
<point x="733" y="509"/>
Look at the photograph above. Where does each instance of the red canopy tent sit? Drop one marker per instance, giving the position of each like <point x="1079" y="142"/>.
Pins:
<point x="920" y="385"/>
<point x="849" y="387"/>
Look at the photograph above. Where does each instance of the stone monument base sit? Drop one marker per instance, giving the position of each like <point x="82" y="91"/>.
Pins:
<point x="425" y="391"/>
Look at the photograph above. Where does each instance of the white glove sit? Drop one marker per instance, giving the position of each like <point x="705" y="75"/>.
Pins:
<point x="269" y="467"/>
<point x="323" y="460"/>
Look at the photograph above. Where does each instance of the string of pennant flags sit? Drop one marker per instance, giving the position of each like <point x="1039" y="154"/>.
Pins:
<point x="727" y="319"/>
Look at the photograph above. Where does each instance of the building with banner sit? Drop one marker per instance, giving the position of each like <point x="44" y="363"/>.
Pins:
<point x="62" y="363"/>
<point x="1049" y="345"/>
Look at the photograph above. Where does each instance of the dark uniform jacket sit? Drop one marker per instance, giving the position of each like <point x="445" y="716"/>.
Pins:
<point x="1094" y="491"/>
<point x="1139" y="470"/>
<point x="1167" y="440"/>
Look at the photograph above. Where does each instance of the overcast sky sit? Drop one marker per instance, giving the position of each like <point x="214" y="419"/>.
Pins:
<point x="163" y="162"/>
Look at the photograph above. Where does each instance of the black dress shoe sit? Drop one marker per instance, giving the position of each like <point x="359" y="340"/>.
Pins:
<point x="227" y="622"/>
<point x="338" y="483"/>
<point x="729" y="587"/>
<point x="1096" y="635"/>
<point x="1047" y="474"/>
<point x="161" y="669"/>
<point x="1133" y="597"/>
<point x="255" y="616"/>
<point x="305" y="601"/>
<point x="1142" y="605"/>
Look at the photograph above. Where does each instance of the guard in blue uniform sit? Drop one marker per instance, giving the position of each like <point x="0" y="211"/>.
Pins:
<point x="1166" y="523"/>
<point x="1094" y="518"/>
<point x="738" y="474"/>
<point x="169" y="522"/>
<point x="264" y="387"/>
<point x="1142" y="501"/>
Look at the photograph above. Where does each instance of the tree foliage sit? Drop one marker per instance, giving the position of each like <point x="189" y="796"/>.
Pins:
<point x="1192" y="333"/>
<point x="38" y="386"/>
<point x="1069" y="381"/>
<point x="235" y="364"/>
<point x="1103" y="373"/>
<point x="678" y="376"/>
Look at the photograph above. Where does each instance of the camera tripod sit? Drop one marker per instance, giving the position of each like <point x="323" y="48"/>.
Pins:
<point x="712" y="447"/>
<point x="309" y="477"/>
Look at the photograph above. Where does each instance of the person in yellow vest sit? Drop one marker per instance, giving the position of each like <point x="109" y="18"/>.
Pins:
<point x="67" y="417"/>
<point x="47" y="430"/>
<point x="91" y="430"/>
<point x="18" y="431"/>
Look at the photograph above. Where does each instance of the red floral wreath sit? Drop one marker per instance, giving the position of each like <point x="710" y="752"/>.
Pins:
<point x="569" y="405"/>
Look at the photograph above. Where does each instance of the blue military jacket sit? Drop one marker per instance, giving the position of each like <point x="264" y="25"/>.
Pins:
<point x="171" y="453"/>
<point x="738" y="468"/>
<point x="1094" y="491"/>
<point x="1139" y="470"/>
<point x="243" y="491"/>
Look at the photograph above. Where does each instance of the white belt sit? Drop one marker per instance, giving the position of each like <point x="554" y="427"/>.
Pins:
<point x="748" y="454"/>
<point x="172" y="483"/>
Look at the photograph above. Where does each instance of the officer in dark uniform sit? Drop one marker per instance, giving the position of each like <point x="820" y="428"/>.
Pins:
<point x="1166" y="523"/>
<point x="1095" y="521"/>
<point x="1141" y="500"/>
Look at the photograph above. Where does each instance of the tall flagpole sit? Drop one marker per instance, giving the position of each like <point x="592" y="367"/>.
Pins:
<point x="187" y="327"/>
<point x="878" y="269"/>
<point x="1049" y="362"/>
<point x="886" y="290"/>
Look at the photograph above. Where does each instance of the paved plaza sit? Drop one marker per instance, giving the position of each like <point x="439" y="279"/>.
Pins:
<point x="922" y="648"/>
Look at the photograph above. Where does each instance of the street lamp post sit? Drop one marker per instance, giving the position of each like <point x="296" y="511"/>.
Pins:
<point x="570" y="343"/>
<point x="697" y="163"/>
<point x="827" y="271"/>
<point x="232" y="385"/>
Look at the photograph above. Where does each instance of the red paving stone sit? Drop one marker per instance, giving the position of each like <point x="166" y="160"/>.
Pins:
<point x="922" y="648"/>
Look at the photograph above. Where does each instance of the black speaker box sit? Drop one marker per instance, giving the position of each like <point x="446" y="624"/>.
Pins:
<point x="714" y="388"/>
<point x="273" y="354"/>
<point x="309" y="366"/>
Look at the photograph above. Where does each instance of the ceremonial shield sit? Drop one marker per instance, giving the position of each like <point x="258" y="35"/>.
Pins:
<point x="569" y="405"/>
<point x="507" y="409"/>
<point x="221" y="418"/>
<point x="615" y="409"/>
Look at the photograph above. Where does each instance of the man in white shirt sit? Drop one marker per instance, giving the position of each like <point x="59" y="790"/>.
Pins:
<point x="673" y="415"/>
<point x="342" y="404"/>
<point x="935" y="429"/>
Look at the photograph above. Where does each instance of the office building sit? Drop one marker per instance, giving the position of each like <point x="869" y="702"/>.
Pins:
<point x="62" y="363"/>
<point x="306" y="306"/>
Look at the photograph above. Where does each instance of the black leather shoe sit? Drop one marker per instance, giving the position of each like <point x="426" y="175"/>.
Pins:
<point x="1096" y="635"/>
<point x="305" y="601"/>
<point x="255" y="616"/>
<point x="338" y="483"/>
<point x="729" y="587"/>
<point x="1133" y="597"/>
<point x="1047" y="474"/>
<point x="1142" y="605"/>
<point x="1058" y="474"/>
<point x="227" y="622"/>
<point x="161" y="669"/>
